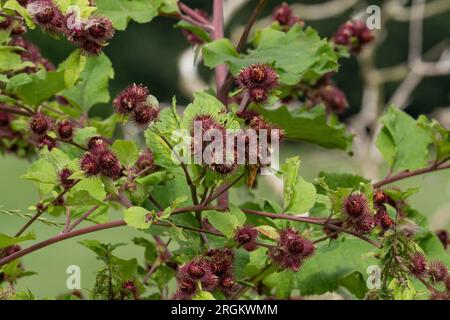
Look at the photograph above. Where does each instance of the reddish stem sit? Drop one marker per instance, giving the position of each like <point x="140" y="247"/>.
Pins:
<point x="408" y="174"/>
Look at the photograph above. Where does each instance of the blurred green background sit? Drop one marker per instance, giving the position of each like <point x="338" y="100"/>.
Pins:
<point x="148" y="54"/>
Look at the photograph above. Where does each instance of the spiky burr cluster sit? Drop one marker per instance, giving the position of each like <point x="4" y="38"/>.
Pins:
<point x="136" y="101"/>
<point x="291" y="250"/>
<point x="91" y="34"/>
<point x="354" y="35"/>
<point x="258" y="79"/>
<point x="99" y="160"/>
<point x="211" y="271"/>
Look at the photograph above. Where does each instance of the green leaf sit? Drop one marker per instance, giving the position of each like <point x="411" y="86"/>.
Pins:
<point x="90" y="191"/>
<point x="342" y="180"/>
<point x="72" y="67"/>
<point x="332" y="263"/>
<point x="176" y="203"/>
<point x="153" y="179"/>
<point x="41" y="86"/>
<point x="126" y="151"/>
<point x="84" y="5"/>
<point x="136" y="217"/>
<point x="310" y="125"/>
<point x="203" y="295"/>
<point x="12" y="62"/>
<point x="283" y="282"/>
<point x="162" y="154"/>
<point x="258" y="259"/>
<point x="92" y="88"/>
<point x="294" y="54"/>
<point x="41" y="171"/>
<point x="101" y="249"/>
<point x="402" y="290"/>
<point x="82" y="135"/>
<point x="439" y="134"/>
<point x="402" y="142"/>
<point x="434" y="249"/>
<point x="203" y="104"/>
<point x="227" y="222"/>
<point x="219" y="51"/>
<point x="202" y="34"/>
<point x="6" y="241"/>
<point x="122" y="11"/>
<point x="15" y="6"/>
<point x="299" y="195"/>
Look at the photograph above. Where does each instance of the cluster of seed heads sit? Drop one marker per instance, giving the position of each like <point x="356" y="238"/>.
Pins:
<point x="358" y="214"/>
<point x="353" y="35"/>
<point x="292" y="250"/>
<point x="91" y="34"/>
<point x="246" y="237"/>
<point x="211" y="127"/>
<point x="100" y="160"/>
<point x="209" y="272"/>
<point x="324" y="91"/>
<point x="285" y="16"/>
<point x="382" y="218"/>
<point x="258" y="79"/>
<point x="135" y="100"/>
<point x="435" y="271"/>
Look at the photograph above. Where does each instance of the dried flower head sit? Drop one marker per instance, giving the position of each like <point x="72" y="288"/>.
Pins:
<point x="96" y="144"/>
<point x="353" y="34"/>
<point x="198" y="270"/>
<point x="356" y="205"/>
<point x="365" y="224"/>
<point x="444" y="237"/>
<point x="145" y="162"/>
<point x="46" y="141"/>
<point x="418" y="264"/>
<point x="99" y="29"/>
<point x="130" y="98"/>
<point x="246" y="237"/>
<point x="258" y="76"/>
<point x="227" y="285"/>
<point x="40" y="124"/>
<point x="89" y="165"/>
<point x="284" y="15"/>
<point x="437" y="271"/>
<point x="64" y="178"/>
<point x="334" y="99"/>
<point x="220" y="261"/>
<point x="145" y="114"/>
<point x="108" y="164"/>
<point x="186" y="289"/>
<point x="46" y="14"/>
<point x="383" y="220"/>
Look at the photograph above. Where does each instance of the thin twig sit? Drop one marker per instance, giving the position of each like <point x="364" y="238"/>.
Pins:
<point x="408" y="174"/>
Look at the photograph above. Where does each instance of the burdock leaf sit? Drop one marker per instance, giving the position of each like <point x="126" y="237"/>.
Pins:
<point x="402" y="142"/>
<point x="310" y="125"/>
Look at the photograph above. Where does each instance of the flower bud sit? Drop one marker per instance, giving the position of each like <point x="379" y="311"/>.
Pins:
<point x="65" y="130"/>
